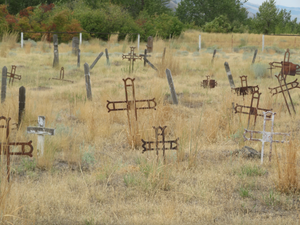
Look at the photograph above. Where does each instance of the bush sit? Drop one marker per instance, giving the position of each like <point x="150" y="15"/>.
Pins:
<point x="218" y="25"/>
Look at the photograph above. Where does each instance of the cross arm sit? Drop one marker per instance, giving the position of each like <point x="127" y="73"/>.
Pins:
<point x="265" y="135"/>
<point x="23" y="145"/>
<point x="126" y="105"/>
<point x="169" y="147"/>
<point x="40" y="130"/>
<point x="15" y="76"/>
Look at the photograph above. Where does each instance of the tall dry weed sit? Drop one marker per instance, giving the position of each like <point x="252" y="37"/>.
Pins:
<point x="9" y="41"/>
<point x="169" y="61"/>
<point x="288" y="180"/>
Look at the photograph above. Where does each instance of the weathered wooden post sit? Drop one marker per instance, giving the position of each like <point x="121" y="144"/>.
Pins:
<point x="41" y="131"/>
<point x="199" y="42"/>
<point x="22" y="40"/>
<point x="230" y="78"/>
<point x="150" y="44"/>
<point x="254" y="56"/>
<point x="107" y="57"/>
<point x="172" y="88"/>
<point x="163" y="56"/>
<point x="56" y="55"/>
<point x="22" y="99"/>
<point x="96" y="60"/>
<point x="4" y="83"/>
<point x="145" y="57"/>
<point x="214" y="54"/>
<point x="78" y="58"/>
<point x="88" y="81"/>
<point x="75" y="45"/>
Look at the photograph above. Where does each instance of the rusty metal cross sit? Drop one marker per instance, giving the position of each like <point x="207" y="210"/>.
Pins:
<point x="245" y="89"/>
<point x="209" y="83"/>
<point x="131" y="58"/>
<point x="130" y="104"/>
<point x="12" y="75"/>
<point x="160" y="144"/>
<point x="253" y="110"/>
<point x="61" y="76"/>
<point x="5" y="146"/>
<point x="266" y="136"/>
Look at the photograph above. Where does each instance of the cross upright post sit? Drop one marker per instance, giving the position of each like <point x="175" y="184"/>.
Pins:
<point x="5" y="145"/>
<point x="266" y="136"/>
<point x="160" y="144"/>
<point x="41" y="131"/>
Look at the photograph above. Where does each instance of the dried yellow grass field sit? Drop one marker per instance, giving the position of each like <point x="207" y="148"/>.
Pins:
<point x="91" y="173"/>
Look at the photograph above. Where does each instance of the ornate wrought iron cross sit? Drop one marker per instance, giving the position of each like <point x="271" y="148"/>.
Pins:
<point x="5" y="146"/>
<point x="160" y="144"/>
<point x="209" y="83"/>
<point x="245" y="89"/>
<point x="131" y="58"/>
<point x="12" y="75"/>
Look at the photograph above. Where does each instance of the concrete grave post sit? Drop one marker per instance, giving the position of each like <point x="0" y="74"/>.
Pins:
<point x="150" y="44"/>
<point x="96" y="60"/>
<point x="41" y="131"/>
<point x="22" y="99"/>
<point x="56" y="54"/>
<point x="4" y="84"/>
<point x="88" y="81"/>
<point x="107" y="57"/>
<point x="75" y="45"/>
<point x="231" y="82"/>
<point x="172" y="88"/>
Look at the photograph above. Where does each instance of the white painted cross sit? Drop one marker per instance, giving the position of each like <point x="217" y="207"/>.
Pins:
<point x="41" y="131"/>
<point x="266" y="136"/>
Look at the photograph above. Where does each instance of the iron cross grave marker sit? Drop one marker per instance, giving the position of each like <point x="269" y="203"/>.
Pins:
<point x="131" y="58"/>
<point x="12" y="75"/>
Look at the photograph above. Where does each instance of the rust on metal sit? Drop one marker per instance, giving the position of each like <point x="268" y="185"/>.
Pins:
<point x="61" y="76"/>
<point x="12" y="75"/>
<point x="209" y="83"/>
<point x="245" y="89"/>
<point x="130" y="104"/>
<point x="131" y="58"/>
<point x="160" y="144"/>
<point x="254" y="110"/>
<point x="266" y="136"/>
<point x="5" y="146"/>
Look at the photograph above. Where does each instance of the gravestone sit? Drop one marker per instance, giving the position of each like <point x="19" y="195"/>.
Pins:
<point x="229" y="75"/>
<point x="150" y="44"/>
<point x="41" y="131"/>
<point x="88" y="81"/>
<point x="95" y="61"/>
<point x="78" y="58"/>
<point x="107" y="57"/>
<point x="172" y="88"/>
<point x="4" y="83"/>
<point x="56" y="55"/>
<point x="22" y="99"/>
<point x="75" y="45"/>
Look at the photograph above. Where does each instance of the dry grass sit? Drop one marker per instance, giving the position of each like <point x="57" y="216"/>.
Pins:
<point x="93" y="171"/>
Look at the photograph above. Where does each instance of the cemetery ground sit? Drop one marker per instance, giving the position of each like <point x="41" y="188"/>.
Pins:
<point x="94" y="172"/>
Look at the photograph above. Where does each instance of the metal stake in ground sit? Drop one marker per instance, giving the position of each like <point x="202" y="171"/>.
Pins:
<point x="160" y="144"/>
<point x="266" y="136"/>
<point x="107" y="57"/>
<point x="3" y="85"/>
<point x="132" y="104"/>
<point x="96" y="60"/>
<point x="56" y="55"/>
<point x="172" y="88"/>
<point x="5" y="146"/>
<point x="131" y="58"/>
<point x="41" y="131"/>
<point x="12" y="75"/>
<point x="87" y="81"/>
<point x="61" y="76"/>
<point x="78" y="58"/>
<point x="254" y="56"/>
<point x="22" y="99"/>
<point x="231" y="82"/>
<point x="252" y="110"/>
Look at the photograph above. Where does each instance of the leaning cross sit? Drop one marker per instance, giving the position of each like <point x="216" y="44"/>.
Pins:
<point x="61" y="76"/>
<point x="41" y="131"/>
<point x="160" y="144"/>
<point x="12" y="75"/>
<point x="266" y="136"/>
<point x="5" y="146"/>
<point x="131" y="57"/>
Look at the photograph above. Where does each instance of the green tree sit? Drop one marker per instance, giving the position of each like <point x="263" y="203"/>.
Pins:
<point x="203" y="11"/>
<point x="266" y="19"/>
